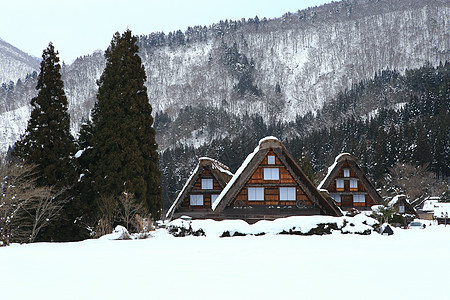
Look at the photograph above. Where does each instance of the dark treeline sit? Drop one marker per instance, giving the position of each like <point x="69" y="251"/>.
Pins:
<point x="412" y="127"/>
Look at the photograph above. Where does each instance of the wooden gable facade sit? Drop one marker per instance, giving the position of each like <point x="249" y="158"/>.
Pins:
<point x="202" y="188"/>
<point x="348" y="185"/>
<point x="402" y="206"/>
<point x="269" y="185"/>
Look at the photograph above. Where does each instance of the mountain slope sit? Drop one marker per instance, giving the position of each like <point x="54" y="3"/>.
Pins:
<point x="276" y="68"/>
<point x="15" y="64"/>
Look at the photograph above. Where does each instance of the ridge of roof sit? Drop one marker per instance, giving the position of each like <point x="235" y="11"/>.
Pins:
<point x="215" y="164"/>
<point x="338" y="158"/>
<point x="276" y="145"/>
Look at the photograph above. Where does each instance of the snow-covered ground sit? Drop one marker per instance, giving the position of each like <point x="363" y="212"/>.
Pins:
<point x="411" y="264"/>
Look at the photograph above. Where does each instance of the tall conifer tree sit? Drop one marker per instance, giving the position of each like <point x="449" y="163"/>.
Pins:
<point x="123" y="154"/>
<point x="49" y="145"/>
<point x="47" y="142"/>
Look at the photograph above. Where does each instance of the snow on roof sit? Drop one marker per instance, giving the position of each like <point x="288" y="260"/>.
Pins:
<point x="215" y="164"/>
<point x="331" y="168"/>
<point x="443" y="210"/>
<point x="439" y="209"/>
<point x="267" y="138"/>
<point x="395" y="199"/>
<point x="235" y="177"/>
<point x="430" y="205"/>
<point x="241" y="169"/>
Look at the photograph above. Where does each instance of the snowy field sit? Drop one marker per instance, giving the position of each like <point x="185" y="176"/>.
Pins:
<point x="411" y="264"/>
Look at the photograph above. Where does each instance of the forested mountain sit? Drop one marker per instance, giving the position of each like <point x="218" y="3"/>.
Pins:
<point x="278" y="68"/>
<point x="345" y="76"/>
<point x="15" y="64"/>
<point x="411" y="124"/>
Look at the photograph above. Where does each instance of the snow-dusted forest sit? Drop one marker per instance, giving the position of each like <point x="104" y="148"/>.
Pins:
<point x="296" y="62"/>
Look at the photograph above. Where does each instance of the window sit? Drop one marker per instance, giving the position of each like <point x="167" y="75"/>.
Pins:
<point x="213" y="198"/>
<point x="255" y="194"/>
<point x="271" y="173"/>
<point x="353" y="185"/>
<point x="340" y="184"/>
<point x="401" y="208"/>
<point x="196" y="200"/>
<point x="359" y="198"/>
<point x="207" y="184"/>
<point x="287" y="194"/>
<point x="346" y="172"/>
<point x="271" y="159"/>
<point x="336" y="197"/>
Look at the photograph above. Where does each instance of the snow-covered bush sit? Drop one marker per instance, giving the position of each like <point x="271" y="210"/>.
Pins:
<point x="297" y="225"/>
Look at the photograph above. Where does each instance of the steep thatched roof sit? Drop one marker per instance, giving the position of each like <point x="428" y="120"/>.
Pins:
<point x="220" y="171"/>
<point x="337" y="165"/>
<point x="252" y="162"/>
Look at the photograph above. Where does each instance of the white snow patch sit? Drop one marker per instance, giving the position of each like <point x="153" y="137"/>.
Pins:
<point x="12" y="124"/>
<point x="166" y="267"/>
<point x="302" y="224"/>
<point x="439" y="209"/>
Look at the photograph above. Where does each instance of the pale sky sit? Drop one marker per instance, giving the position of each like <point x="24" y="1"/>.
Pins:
<point x="79" y="27"/>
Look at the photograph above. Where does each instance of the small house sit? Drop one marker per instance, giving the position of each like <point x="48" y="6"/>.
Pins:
<point x="201" y="189"/>
<point x="433" y="209"/>
<point x="348" y="185"/>
<point x="270" y="184"/>
<point x="402" y="205"/>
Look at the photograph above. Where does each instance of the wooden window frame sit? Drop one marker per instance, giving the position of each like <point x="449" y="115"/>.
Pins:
<point x="356" y="200"/>
<point x="214" y="197"/>
<point x="340" y="189"/>
<point x="353" y="188"/>
<point x="336" y="197"/>
<point x="289" y="191"/>
<point x="270" y="172"/>
<point x="346" y="172"/>
<point x="254" y="192"/>
<point x="271" y="159"/>
<point x="207" y="183"/>
<point x="194" y="200"/>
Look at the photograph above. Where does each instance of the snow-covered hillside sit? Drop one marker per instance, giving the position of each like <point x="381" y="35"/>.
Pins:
<point x="301" y="60"/>
<point x="12" y="124"/>
<point x="15" y="64"/>
<point x="411" y="264"/>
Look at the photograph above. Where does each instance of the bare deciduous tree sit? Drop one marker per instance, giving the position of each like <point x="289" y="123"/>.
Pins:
<point x="108" y="208"/>
<point x="124" y="210"/>
<point x="414" y="181"/>
<point x="25" y="209"/>
<point x="129" y="208"/>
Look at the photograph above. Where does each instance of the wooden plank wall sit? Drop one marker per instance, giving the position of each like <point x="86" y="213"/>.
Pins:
<point x="271" y="187"/>
<point x="197" y="190"/>
<point x="347" y="198"/>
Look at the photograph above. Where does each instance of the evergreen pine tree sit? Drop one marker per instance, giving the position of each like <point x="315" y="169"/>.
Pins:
<point x="47" y="142"/>
<point x="123" y="154"/>
<point x="305" y="163"/>
<point x="49" y="145"/>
